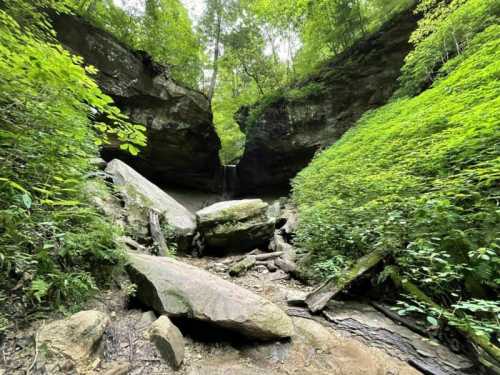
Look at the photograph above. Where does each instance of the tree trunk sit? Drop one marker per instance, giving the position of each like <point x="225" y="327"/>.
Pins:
<point x="213" y="81"/>
<point x="318" y="298"/>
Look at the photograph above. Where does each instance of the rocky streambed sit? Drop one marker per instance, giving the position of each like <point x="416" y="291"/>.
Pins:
<point x="226" y="303"/>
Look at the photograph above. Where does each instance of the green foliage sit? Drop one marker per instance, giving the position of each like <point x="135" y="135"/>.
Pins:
<point x="54" y="247"/>
<point x="444" y="31"/>
<point x="163" y="30"/>
<point x="419" y="177"/>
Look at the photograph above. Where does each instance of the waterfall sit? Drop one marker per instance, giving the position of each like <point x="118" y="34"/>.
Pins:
<point x="229" y="181"/>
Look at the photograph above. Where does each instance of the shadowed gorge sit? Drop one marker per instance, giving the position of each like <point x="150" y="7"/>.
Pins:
<point x="248" y="187"/>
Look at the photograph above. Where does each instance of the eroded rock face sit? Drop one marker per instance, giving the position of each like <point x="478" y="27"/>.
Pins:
<point x="284" y="137"/>
<point x="75" y="338"/>
<point x="236" y="225"/>
<point x="182" y="143"/>
<point x="180" y="290"/>
<point x="141" y="195"/>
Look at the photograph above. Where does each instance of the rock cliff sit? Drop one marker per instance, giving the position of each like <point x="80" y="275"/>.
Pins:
<point x="182" y="143"/>
<point x="284" y="132"/>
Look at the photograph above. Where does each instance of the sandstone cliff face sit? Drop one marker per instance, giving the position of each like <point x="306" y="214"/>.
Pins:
<point x="285" y="134"/>
<point x="182" y="143"/>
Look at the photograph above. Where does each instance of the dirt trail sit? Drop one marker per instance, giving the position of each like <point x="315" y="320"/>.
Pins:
<point x="316" y="349"/>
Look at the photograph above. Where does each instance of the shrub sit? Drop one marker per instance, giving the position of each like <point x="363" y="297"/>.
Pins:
<point x="420" y="177"/>
<point x="53" y="245"/>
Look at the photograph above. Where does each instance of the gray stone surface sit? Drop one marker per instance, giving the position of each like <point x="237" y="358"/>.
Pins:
<point x="75" y="338"/>
<point x="168" y="340"/>
<point x="181" y="290"/>
<point x="236" y="225"/>
<point x="372" y="327"/>
<point x="140" y="195"/>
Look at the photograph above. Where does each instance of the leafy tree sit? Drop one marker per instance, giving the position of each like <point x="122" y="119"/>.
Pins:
<point x="163" y="30"/>
<point x="54" y="247"/>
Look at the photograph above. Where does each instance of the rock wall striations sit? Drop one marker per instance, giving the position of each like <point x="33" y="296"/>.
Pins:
<point x="182" y="143"/>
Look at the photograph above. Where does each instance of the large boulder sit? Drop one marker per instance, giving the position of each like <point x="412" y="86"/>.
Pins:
<point x="182" y="143"/>
<point x="181" y="290"/>
<point x="236" y="225"/>
<point x="75" y="339"/>
<point x="283" y="135"/>
<point x="140" y="196"/>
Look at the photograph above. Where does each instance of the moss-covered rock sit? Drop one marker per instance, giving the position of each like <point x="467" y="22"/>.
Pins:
<point x="236" y="225"/>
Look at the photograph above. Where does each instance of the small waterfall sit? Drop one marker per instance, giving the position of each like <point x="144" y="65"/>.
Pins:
<point x="229" y="181"/>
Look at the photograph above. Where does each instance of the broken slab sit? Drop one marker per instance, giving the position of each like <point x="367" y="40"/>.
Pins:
<point x="168" y="340"/>
<point x="180" y="290"/>
<point x="141" y="196"/>
<point x="236" y="225"/>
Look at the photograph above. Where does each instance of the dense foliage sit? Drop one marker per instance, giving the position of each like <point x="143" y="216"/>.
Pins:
<point x="162" y="29"/>
<point x="53" y="245"/>
<point x="420" y="178"/>
<point x="264" y="45"/>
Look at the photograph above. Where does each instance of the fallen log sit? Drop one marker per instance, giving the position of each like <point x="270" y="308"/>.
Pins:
<point x="482" y="342"/>
<point x="318" y="298"/>
<point x="157" y="233"/>
<point x="242" y="266"/>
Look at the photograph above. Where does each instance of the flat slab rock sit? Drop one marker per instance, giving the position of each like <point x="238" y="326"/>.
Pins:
<point x="180" y="290"/>
<point x="371" y="326"/>
<point x="140" y="195"/>
<point x="236" y="225"/>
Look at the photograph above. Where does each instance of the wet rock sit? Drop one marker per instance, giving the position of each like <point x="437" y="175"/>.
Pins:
<point x="140" y="196"/>
<point x="236" y="225"/>
<point x="181" y="290"/>
<point x="168" y="340"/>
<point x="283" y="137"/>
<point x="182" y="143"/>
<point x="241" y="267"/>
<point x="76" y="338"/>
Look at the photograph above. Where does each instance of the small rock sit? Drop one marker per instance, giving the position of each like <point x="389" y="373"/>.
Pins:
<point x="147" y="318"/>
<point x="218" y="267"/>
<point x="296" y="298"/>
<point x="285" y="265"/>
<point x="261" y="268"/>
<point x="168" y="340"/>
<point x="76" y="337"/>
